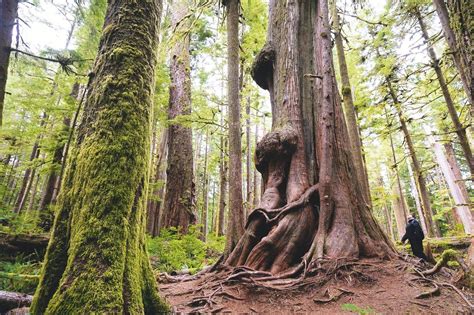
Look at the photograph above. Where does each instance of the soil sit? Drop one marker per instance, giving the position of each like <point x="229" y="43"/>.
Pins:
<point x="366" y="286"/>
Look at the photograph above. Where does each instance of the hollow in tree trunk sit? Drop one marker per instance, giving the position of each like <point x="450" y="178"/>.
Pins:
<point x="96" y="261"/>
<point x="296" y="221"/>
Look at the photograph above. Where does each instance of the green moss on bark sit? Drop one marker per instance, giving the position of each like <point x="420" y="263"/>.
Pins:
<point x="97" y="261"/>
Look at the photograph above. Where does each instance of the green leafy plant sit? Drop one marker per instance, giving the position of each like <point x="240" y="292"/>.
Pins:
<point x="174" y="251"/>
<point x="357" y="309"/>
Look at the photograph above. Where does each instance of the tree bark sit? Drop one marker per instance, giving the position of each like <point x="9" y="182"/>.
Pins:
<point x="8" y="19"/>
<point x="349" y="109"/>
<point x="297" y="222"/>
<point x="223" y="170"/>
<point x="459" y="39"/>
<point x="235" y="225"/>
<point x="458" y="127"/>
<point x="248" y="160"/>
<point x="179" y="204"/>
<point x="96" y="261"/>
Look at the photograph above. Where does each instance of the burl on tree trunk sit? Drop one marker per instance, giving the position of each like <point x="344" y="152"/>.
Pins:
<point x="302" y="218"/>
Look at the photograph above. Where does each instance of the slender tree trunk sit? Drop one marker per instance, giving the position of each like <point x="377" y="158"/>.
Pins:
<point x="96" y="260"/>
<point x="256" y="179"/>
<point x="235" y="227"/>
<point x="453" y="164"/>
<point x="387" y="214"/>
<point x="155" y="204"/>
<point x="349" y="109"/>
<point x="25" y="184"/>
<point x="431" y="226"/>
<point x="460" y="45"/>
<point x="248" y="160"/>
<point x="416" y="196"/>
<point x="179" y="204"/>
<point x="461" y="203"/>
<point x="8" y="19"/>
<point x="398" y="201"/>
<point x="46" y="214"/>
<point x="205" y="192"/>
<point x="34" y="191"/>
<point x="459" y="128"/>
<point x="223" y="170"/>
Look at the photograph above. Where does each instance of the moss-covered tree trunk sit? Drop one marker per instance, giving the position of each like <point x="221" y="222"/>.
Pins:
<point x="8" y="16"/>
<point x="297" y="220"/>
<point x="179" y="204"/>
<point x="96" y="261"/>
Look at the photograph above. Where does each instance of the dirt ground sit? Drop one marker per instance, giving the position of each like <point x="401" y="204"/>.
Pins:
<point x="334" y="287"/>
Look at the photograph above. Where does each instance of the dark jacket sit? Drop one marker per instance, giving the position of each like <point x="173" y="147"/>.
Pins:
<point x="413" y="231"/>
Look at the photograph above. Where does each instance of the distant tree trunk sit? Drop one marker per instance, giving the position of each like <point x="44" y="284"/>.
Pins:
<point x="256" y="181"/>
<point x="461" y="203"/>
<point x="155" y="204"/>
<point x="34" y="191"/>
<point x="459" y="128"/>
<point x="46" y="214"/>
<point x="458" y="32"/>
<point x="453" y="164"/>
<point x="431" y="226"/>
<point x="349" y="109"/>
<point x="8" y="18"/>
<point x="416" y="196"/>
<point x="205" y="192"/>
<point x="248" y="160"/>
<point x="96" y="261"/>
<point x="179" y="204"/>
<point x="386" y="212"/>
<point x="235" y="225"/>
<point x="25" y="184"/>
<point x="286" y="231"/>
<point x="223" y="170"/>
<point x="398" y="200"/>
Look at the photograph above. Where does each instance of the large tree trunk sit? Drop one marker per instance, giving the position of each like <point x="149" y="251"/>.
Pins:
<point x="248" y="160"/>
<point x="431" y="226"/>
<point x="235" y="225"/>
<point x="223" y="170"/>
<point x="297" y="222"/>
<point x="179" y="204"/>
<point x="349" y="109"/>
<point x="96" y="261"/>
<point x="458" y="32"/>
<point x="459" y="128"/>
<point x="8" y="18"/>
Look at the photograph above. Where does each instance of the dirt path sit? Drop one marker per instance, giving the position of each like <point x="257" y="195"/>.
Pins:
<point x="365" y="287"/>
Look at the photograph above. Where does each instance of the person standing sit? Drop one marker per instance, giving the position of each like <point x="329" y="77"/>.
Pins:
<point x="414" y="234"/>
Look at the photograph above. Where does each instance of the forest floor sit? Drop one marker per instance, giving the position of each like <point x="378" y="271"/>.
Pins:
<point x="337" y="287"/>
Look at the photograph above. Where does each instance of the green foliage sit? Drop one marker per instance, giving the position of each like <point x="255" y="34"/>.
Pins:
<point x="174" y="251"/>
<point x="24" y="223"/>
<point x="19" y="276"/>
<point x="356" y="309"/>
